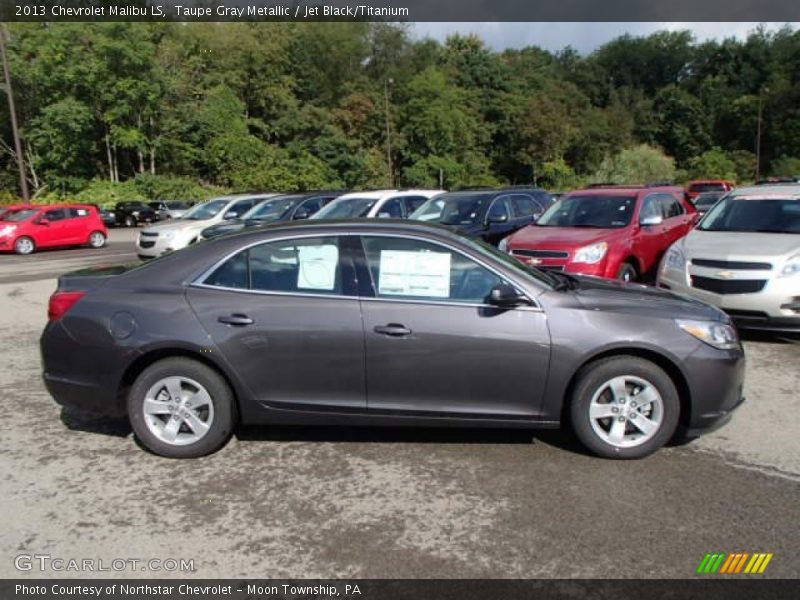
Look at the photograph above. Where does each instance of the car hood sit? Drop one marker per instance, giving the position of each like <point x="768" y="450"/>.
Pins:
<point x="612" y="295"/>
<point x="179" y="225"/>
<point x="741" y="246"/>
<point x="561" y="237"/>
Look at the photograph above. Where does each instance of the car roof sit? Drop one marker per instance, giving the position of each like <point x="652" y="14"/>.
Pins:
<point x="766" y="190"/>
<point x="693" y="181"/>
<point x="625" y="190"/>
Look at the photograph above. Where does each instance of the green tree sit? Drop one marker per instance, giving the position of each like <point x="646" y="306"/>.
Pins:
<point x="642" y="164"/>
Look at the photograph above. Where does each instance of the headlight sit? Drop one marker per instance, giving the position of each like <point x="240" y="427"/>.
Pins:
<point x="7" y="230"/>
<point x="792" y="267"/>
<point x="503" y="245"/>
<point x="714" y="333"/>
<point x="674" y="258"/>
<point x="135" y="213"/>
<point x="591" y="254"/>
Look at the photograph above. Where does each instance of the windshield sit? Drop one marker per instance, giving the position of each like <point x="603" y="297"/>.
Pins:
<point x="456" y="209"/>
<point x="751" y="214"/>
<point x="346" y="208"/>
<point x="706" y="187"/>
<point x="596" y="211"/>
<point x="270" y="210"/>
<point x="177" y="205"/>
<point x="17" y="216"/>
<point x="206" y="210"/>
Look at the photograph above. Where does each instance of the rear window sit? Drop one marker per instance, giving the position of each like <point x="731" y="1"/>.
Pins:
<point x="707" y="187"/>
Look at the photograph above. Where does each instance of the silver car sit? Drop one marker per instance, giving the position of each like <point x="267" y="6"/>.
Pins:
<point x="744" y="257"/>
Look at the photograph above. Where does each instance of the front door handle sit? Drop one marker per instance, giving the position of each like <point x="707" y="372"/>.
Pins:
<point x="392" y="330"/>
<point x="238" y="320"/>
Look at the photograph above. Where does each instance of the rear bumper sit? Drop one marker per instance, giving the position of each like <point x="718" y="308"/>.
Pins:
<point x="82" y="395"/>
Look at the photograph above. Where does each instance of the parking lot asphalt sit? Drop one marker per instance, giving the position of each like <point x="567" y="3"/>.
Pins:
<point x="380" y="503"/>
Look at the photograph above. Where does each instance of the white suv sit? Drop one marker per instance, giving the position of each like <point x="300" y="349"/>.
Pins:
<point x="744" y="257"/>
<point x="392" y="204"/>
<point x="175" y="234"/>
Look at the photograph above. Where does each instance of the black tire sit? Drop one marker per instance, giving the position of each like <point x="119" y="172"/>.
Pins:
<point x="593" y="377"/>
<point x="24" y="245"/>
<point x="130" y="221"/>
<point x="222" y="397"/>
<point x="627" y="272"/>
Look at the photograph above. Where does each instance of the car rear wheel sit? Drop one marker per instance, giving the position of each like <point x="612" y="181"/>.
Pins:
<point x="624" y="407"/>
<point x="24" y="245"/>
<point x="180" y="408"/>
<point x="130" y="221"/>
<point x="627" y="272"/>
<point x="97" y="239"/>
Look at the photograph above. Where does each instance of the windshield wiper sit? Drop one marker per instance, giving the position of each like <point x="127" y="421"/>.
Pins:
<point x="563" y="281"/>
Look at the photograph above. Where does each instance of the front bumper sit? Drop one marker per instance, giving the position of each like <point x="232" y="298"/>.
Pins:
<point x="715" y="379"/>
<point x="776" y="307"/>
<point x="154" y="246"/>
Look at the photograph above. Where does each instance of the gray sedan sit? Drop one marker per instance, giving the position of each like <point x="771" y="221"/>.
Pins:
<point x="383" y="323"/>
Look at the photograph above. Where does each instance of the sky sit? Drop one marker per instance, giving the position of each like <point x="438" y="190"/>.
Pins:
<point x="584" y="37"/>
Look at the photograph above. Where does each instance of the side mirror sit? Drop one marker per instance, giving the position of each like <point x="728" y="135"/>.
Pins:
<point x="497" y="218"/>
<point x="384" y="215"/>
<point x="651" y="221"/>
<point x="302" y="213"/>
<point x="231" y="214"/>
<point x="505" y="295"/>
<point x="43" y="221"/>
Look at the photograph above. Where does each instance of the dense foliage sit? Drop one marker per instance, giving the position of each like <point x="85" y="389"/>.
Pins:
<point x="111" y="110"/>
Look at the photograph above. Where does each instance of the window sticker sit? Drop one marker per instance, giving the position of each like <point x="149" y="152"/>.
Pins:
<point x="413" y="273"/>
<point x="317" y="267"/>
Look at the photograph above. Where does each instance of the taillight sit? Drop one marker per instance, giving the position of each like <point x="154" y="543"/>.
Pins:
<point x="61" y="302"/>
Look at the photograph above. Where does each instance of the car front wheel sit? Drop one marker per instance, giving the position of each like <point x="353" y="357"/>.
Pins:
<point x="181" y="408"/>
<point x="624" y="407"/>
<point x="24" y="245"/>
<point x="130" y="221"/>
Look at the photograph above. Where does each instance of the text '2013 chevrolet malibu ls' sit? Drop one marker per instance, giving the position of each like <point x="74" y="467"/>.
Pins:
<point x="383" y="323"/>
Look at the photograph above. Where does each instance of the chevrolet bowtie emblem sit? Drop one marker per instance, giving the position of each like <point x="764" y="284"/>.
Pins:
<point x="534" y="261"/>
<point x="725" y="274"/>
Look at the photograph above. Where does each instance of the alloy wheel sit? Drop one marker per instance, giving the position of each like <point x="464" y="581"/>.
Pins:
<point x="178" y="410"/>
<point x="626" y="411"/>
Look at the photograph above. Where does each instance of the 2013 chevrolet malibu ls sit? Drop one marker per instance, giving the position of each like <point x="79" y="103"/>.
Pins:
<point x="383" y="323"/>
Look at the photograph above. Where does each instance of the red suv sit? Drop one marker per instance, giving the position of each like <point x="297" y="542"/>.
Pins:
<point x="697" y="187"/>
<point x="608" y="231"/>
<point x="28" y="228"/>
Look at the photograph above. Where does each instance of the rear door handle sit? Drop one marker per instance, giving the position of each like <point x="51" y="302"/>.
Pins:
<point x="238" y="320"/>
<point x="392" y="330"/>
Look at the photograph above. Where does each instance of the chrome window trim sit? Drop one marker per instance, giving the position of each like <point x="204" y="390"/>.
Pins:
<point x="199" y="281"/>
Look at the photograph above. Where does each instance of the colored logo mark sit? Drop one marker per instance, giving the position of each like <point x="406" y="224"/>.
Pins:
<point x="737" y="562"/>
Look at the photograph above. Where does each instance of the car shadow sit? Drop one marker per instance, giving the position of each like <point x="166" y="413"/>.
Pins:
<point x="77" y="420"/>
<point x="408" y="435"/>
<point x="768" y="337"/>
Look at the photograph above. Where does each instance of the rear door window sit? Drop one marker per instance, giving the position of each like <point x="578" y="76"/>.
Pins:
<point x="308" y="265"/>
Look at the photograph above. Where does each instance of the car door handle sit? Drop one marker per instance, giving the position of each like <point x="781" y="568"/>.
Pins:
<point x="392" y="330"/>
<point x="238" y="320"/>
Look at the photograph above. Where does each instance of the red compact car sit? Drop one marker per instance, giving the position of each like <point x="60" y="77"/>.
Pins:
<point x="607" y="231"/>
<point x="25" y="229"/>
<point x="697" y="187"/>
